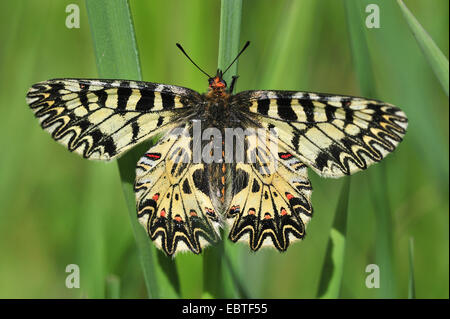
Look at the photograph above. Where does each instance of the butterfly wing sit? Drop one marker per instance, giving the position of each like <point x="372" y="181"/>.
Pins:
<point x="271" y="197"/>
<point x="101" y="119"/>
<point x="173" y="197"/>
<point x="334" y="135"/>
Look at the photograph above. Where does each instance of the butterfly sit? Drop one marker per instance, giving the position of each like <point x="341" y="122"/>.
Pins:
<point x="183" y="202"/>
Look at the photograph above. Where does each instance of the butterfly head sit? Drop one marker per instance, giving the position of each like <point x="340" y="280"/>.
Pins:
<point x="217" y="84"/>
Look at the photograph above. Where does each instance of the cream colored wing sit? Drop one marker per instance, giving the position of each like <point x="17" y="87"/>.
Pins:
<point x="271" y="198"/>
<point x="173" y="197"/>
<point x="334" y="135"/>
<point x="101" y="119"/>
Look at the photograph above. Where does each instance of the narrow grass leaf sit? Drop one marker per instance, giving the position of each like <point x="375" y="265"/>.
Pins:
<point x="296" y="21"/>
<point x="359" y="49"/>
<point x="112" y="287"/>
<point x="117" y="57"/>
<point x="411" y="283"/>
<point x="241" y="291"/>
<point x="332" y="271"/>
<point x="377" y="176"/>
<point x="434" y="56"/>
<point x="230" y="30"/>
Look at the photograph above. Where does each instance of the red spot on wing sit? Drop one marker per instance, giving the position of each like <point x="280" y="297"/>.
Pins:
<point x="285" y="155"/>
<point x="153" y="156"/>
<point x="163" y="213"/>
<point x="155" y="197"/>
<point x="283" y="212"/>
<point x="289" y="196"/>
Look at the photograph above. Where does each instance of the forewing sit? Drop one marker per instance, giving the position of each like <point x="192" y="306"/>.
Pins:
<point x="101" y="119"/>
<point x="173" y="197"/>
<point x="334" y="135"/>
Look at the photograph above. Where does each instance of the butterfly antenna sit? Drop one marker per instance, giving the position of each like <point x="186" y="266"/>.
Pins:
<point x="184" y="52"/>
<point x="243" y="49"/>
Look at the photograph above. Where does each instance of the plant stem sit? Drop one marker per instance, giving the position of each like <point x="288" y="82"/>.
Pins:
<point x="117" y="57"/>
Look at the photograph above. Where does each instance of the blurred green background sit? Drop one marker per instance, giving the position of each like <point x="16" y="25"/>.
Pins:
<point x="58" y="209"/>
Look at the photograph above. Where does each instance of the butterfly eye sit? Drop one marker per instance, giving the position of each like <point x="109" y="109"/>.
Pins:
<point x="211" y="81"/>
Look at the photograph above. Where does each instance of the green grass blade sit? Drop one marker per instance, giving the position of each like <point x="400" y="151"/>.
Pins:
<point x="411" y="283"/>
<point x="434" y="56"/>
<point x="230" y="30"/>
<point x="117" y="57"/>
<point x="332" y="271"/>
<point x="377" y="175"/>
<point x="359" y="49"/>
<point x="112" y="287"/>
<point x="295" y="21"/>
<point x="384" y="231"/>
<point x="215" y="270"/>
<point x="236" y="279"/>
<point x="93" y="236"/>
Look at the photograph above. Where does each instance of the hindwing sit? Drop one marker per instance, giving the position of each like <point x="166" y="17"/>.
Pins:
<point x="173" y="197"/>
<point x="271" y="198"/>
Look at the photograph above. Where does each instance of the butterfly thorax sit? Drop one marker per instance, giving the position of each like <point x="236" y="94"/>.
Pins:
<point x="217" y="102"/>
<point x="216" y="108"/>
